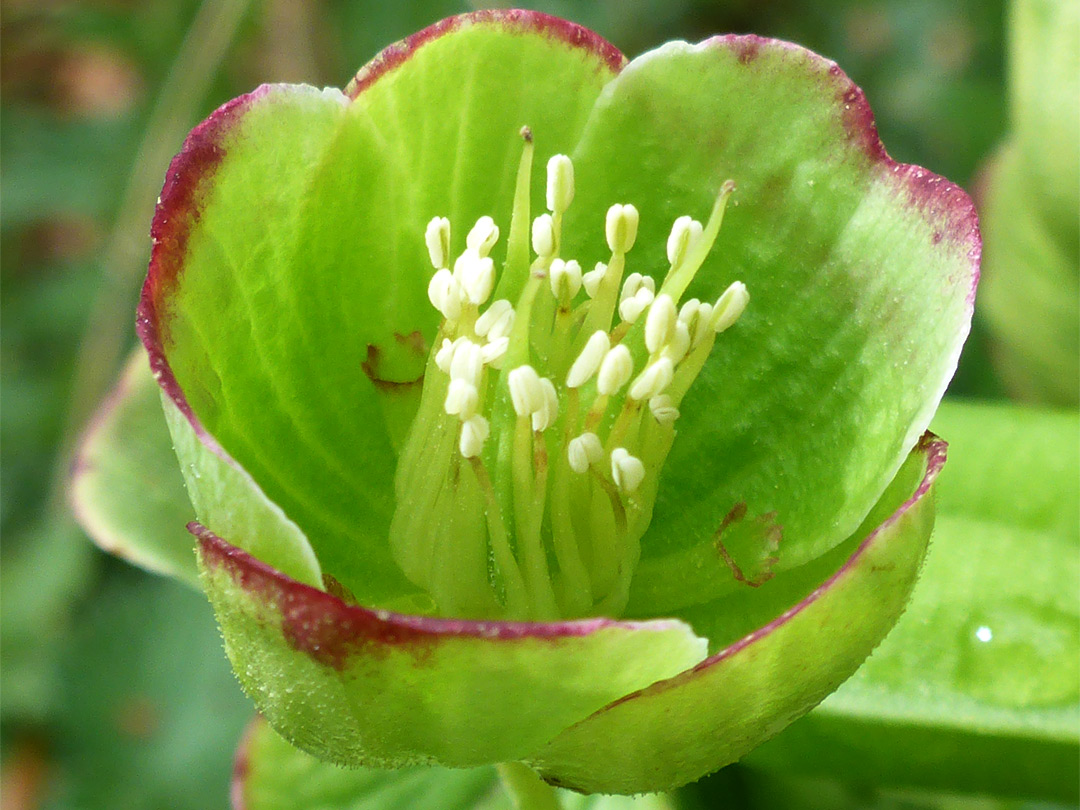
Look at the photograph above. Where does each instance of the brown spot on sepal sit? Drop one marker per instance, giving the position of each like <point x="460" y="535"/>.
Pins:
<point x="396" y="365"/>
<point x="750" y="548"/>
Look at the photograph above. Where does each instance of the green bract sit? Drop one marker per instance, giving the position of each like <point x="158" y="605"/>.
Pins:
<point x="376" y="618"/>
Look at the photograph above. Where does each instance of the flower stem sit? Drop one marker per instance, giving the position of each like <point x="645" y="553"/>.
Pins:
<point x="526" y="789"/>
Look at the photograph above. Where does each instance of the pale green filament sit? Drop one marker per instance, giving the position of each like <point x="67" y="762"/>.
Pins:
<point x="522" y="493"/>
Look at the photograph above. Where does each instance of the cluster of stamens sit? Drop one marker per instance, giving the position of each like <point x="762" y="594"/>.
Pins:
<point x="531" y="469"/>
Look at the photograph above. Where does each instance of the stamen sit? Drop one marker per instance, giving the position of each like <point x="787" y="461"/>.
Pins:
<point x="584" y="451"/>
<point x="588" y="362"/>
<point x="496" y="320"/>
<point x="565" y="279"/>
<point x="615" y="370"/>
<point x="545" y="415"/>
<point x="631" y="308"/>
<point x="483" y="236"/>
<point x="543" y="236"/>
<point x="684" y="235"/>
<point x="462" y="399"/>
<point x="663" y="408"/>
<point x="494" y="351"/>
<point x="560" y="183"/>
<point x="592" y="279"/>
<point x="446" y="354"/>
<point x="467" y="363"/>
<point x="474" y="432"/>
<point x="627" y="471"/>
<point x="476" y="275"/>
<point x="660" y="323"/>
<point x="444" y="292"/>
<point x="653" y="380"/>
<point x="437" y="237"/>
<point x="679" y="345"/>
<point x="620" y="228"/>
<point x="526" y="391"/>
<point x="729" y="307"/>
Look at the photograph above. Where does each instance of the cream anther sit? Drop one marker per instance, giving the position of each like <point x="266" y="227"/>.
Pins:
<point x="588" y="362"/>
<point x="496" y="321"/>
<point x="684" y="235"/>
<point x="476" y="275"/>
<point x="546" y="414"/>
<point x="474" y="432"/>
<point x="526" y="391"/>
<point x="543" y="236"/>
<point x="462" y="399"/>
<point x="701" y="326"/>
<point x="584" y="451"/>
<point x="626" y="470"/>
<point x="660" y="323"/>
<point x="560" y="183"/>
<point x="630" y="309"/>
<point x="679" y="345"/>
<point x="615" y="370"/>
<point x="494" y="350"/>
<point x="446" y="353"/>
<point x="663" y="409"/>
<point x="467" y="363"/>
<point x="483" y="236"/>
<point x="592" y="279"/>
<point x="653" y="380"/>
<point x="620" y="227"/>
<point x="729" y="307"/>
<point x="635" y="282"/>
<point x="444" y="292"/>
<point x="437" y="237"/>
<point x="565" y="278"/>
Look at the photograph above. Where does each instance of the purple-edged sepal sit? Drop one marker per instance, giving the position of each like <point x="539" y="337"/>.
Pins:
<point x="371" y="687"/>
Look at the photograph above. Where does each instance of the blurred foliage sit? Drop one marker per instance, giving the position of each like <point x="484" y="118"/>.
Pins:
<point x="115" y="693"/>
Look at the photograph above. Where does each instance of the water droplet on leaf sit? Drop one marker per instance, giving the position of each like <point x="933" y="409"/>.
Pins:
<point x="1019" y="653"/>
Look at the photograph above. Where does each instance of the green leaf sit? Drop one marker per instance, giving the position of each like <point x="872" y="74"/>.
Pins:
<point x="399" y="690"/>
<point x="126" y="489"/>
<point x="860" y="273"/>
<point x="290" y="264"/>
<point x="676" y="730"/>
<point x="978" y="687"/>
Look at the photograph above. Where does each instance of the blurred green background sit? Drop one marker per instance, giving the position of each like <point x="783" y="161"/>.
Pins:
<point x="114" y="691"/>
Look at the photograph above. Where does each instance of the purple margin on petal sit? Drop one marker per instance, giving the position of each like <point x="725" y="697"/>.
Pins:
<point x="937" y="197"/>
<point x="935" y="449"/>
<point x="177" y="209"/>
<point x="331" y="631"/>
<point x="522" y="20"/>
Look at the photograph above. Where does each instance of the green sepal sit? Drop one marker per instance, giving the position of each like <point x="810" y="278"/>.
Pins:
<point x="861" y="275"/>
<point x="126" y="490"/>
<point x="363" y="687"/>
<point x="678" y="730"/>
<point x="286" y="294"/>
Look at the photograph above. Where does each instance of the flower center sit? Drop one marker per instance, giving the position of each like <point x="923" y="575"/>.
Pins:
<point x="531" y="469"/>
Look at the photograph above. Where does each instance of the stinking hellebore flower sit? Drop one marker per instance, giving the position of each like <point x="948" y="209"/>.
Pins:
<point x="617" y="489"/>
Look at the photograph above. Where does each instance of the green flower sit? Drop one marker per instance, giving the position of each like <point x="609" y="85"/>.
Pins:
<point x="451" y="459"/>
